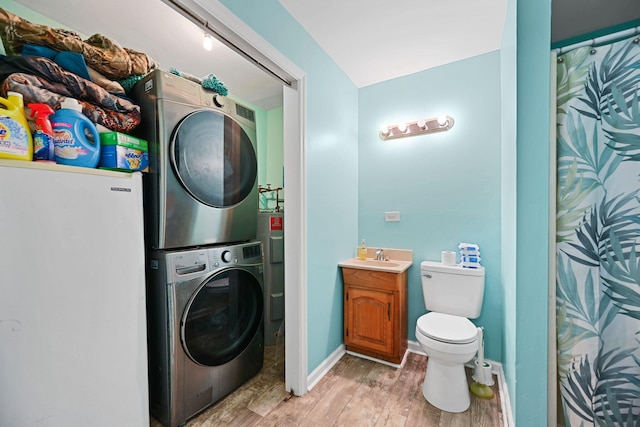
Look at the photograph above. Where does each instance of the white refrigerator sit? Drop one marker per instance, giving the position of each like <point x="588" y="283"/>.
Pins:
<point x="73" y="348"/>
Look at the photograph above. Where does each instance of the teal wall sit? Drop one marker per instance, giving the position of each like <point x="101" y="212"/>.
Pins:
<point x="332" y="167"/>
<point x="274" y="154"/>
<point x="509" y="178"/>
<point x="533" y="38"/>
<point x="271" y="160"/>
<point x="446" y="186"/>
<point x="338" y="215"/>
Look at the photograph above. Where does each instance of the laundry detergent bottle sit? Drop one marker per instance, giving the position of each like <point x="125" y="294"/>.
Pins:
<point x="43" y="150"/>
<point x="76" y="139"/>
<point x="15" y="136"/>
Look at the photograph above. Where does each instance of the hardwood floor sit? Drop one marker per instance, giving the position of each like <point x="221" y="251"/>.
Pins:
<point x="356" y="392"/>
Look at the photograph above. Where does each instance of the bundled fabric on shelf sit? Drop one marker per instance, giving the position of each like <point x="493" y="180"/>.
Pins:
<point x="47" y="65"/>
<point x="42" y="81"/>
<point x="74" y="63"/>
<point x="100" y="53"/>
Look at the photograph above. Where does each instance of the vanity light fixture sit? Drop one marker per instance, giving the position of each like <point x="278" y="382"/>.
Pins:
<point x="419" y="127"/>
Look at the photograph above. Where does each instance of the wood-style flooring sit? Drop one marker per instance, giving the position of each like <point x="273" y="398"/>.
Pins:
<point x="356" y="392"/>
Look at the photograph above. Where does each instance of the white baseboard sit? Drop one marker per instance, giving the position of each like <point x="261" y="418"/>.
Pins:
<point x="384" y="362"/>
<point x="507" y="415"/>
<point x="326" y="365"/>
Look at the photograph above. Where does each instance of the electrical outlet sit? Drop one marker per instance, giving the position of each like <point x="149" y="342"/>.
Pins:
<point x="392" y="216"/>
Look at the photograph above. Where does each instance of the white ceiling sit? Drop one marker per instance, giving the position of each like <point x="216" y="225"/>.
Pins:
<point x="378" y="40"/>
<point x="371" y="40"/>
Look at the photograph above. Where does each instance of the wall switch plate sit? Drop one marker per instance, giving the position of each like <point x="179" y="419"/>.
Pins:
<point x="392" y="216"/>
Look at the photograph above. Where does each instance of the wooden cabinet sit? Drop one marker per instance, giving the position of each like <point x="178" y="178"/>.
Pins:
<point x="375" y="313"/>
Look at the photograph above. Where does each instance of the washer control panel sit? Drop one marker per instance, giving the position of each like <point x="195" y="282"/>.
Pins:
<point x="192" y="263"/>
<point x="186" y="263"/>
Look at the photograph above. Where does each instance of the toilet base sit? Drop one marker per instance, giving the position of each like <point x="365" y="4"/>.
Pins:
<point x="446" y="387"/>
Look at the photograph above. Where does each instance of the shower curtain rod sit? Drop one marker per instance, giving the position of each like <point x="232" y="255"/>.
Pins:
<point x="599" y="40"/>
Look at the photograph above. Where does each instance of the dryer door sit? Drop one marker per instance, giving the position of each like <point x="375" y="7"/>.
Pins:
<point x="213" y="158"/>
<point x="222" y="317"/>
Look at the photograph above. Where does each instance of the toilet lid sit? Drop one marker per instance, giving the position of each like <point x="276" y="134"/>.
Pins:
<point x="447" y="328"/>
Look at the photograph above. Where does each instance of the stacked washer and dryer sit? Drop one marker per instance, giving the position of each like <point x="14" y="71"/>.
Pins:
<point x="205" y="303"/>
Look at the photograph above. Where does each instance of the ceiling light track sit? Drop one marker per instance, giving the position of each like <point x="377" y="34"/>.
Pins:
<point x="181" y="8"/>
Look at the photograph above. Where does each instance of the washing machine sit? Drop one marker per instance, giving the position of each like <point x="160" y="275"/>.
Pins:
<point x="205" y="326"/>
<point x="201" y="187"/>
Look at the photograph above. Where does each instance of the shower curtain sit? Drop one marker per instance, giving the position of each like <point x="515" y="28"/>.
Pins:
<point x="598" y="234"/>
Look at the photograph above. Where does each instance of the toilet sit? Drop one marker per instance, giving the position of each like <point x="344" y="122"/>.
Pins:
<point x="453" y="295"/>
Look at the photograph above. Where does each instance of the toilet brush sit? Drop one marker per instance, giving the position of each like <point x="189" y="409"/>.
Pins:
<point x="482" y="378"/>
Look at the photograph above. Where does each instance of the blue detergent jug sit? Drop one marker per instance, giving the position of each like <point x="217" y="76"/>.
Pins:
<point x="76" y="139"/>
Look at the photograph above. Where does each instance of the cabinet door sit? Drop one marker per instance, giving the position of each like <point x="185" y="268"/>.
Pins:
<point x="370" y="319"/>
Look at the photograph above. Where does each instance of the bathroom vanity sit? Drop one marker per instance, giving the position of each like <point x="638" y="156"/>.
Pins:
<point x="375" y="306"/>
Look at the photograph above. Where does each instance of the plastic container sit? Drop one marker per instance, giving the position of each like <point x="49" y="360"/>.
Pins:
<point x="464" y="264"/>
<point x="123" y="152"/>
<point x="43" y="149"/>
<point x="15" y="136"/>
<point x="468" y="247"/>
<point x="362" y="251"/>
<point x="75" y="138"/>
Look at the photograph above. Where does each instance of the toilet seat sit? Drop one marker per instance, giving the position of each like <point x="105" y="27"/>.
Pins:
<point x="447" y="328"/>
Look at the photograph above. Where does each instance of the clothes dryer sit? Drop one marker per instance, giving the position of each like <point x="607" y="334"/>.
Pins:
<point x="201" y="187"/>
<point x="205" y="326"/>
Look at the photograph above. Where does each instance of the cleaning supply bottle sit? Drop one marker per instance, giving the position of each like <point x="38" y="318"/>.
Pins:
<point x="17" y="99"/>
<point x="75" y="138"/>
<point x="15" y="135"/>
<point x="362" y="251"/>
<point x="43" y="150"/>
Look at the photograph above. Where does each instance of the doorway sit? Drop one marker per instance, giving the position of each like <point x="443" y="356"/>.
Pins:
<point x="240" y="37"/>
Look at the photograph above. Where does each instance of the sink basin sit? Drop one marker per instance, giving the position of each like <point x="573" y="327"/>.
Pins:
<point x="393" y="266"/>
<point x="376" y="263"/>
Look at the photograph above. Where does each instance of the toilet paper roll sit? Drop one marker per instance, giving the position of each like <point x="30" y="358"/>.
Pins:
<point x="448" y="258"/>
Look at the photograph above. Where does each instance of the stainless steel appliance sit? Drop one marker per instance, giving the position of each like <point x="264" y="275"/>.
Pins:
<point x="271" y="233"/>
<point x="201" y="187"/>
<point x="205" y="326"/>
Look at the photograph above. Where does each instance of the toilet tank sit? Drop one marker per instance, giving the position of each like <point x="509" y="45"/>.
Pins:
<point x="451" y="289"/>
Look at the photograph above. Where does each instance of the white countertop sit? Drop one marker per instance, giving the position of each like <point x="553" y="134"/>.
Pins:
<point x="61" y="168"/>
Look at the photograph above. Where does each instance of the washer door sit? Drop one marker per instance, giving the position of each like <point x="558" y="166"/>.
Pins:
<point x="213" y="158"/>
<point x="222" y="317"/>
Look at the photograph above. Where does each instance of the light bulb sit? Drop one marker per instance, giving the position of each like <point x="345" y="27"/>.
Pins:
<point x="207" y="42"/>
<point x="384" y="131"/>
<point x="402" y="127"/>
<point x="443" y="120"/>
<point x="422" y="124"/>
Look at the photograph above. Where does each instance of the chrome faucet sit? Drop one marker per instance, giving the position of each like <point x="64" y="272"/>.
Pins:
<point x="379" y="255"/>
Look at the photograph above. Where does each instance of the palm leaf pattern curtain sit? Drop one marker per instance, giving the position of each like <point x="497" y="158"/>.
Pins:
<point x="598" y="234"/>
